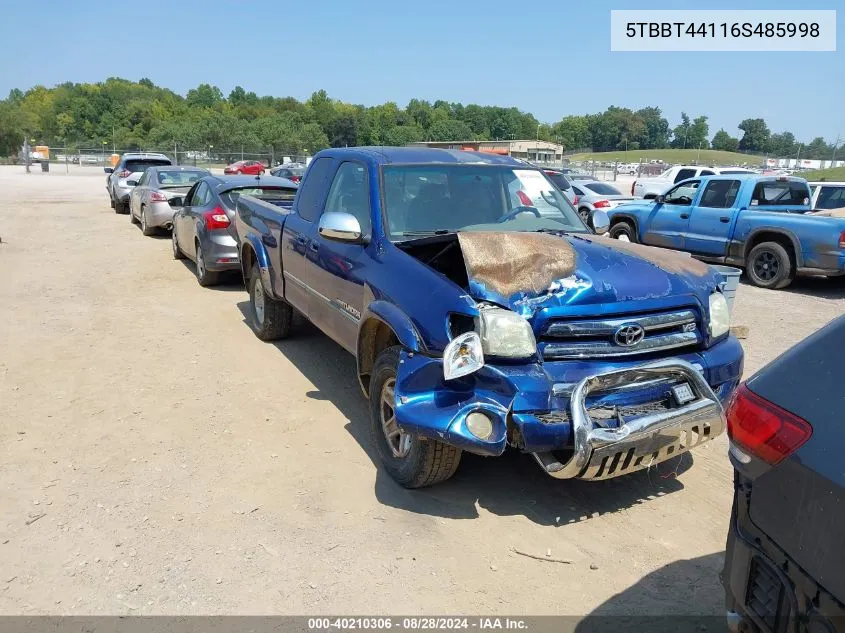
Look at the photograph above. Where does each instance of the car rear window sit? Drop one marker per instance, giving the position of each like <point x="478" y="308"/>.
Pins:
<point x="831" y="198"/>
<point x="139" y="165"/>
<point x="559" y="180"/>
<point x="280" y="196"/>
<point x="178" y="178"/>
<point x="775" y="193"/>
<point x="603" y="190"/>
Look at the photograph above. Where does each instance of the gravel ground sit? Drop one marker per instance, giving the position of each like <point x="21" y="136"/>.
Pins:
<point x="155" y="457"/>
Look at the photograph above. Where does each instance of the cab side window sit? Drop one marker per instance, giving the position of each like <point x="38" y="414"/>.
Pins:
<point x="683" y="174"/>
<point x="350" y="193"/>
<point x="720" y="194"/>
<point x="681" y="194"/>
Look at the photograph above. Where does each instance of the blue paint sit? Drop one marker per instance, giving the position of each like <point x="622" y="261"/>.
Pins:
<point x="378" y="280"/>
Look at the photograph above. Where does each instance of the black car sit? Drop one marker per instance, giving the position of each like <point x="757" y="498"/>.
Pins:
<point x="785" y="560"/>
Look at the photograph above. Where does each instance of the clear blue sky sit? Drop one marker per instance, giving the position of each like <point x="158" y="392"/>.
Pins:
<point x="548" y="58"/>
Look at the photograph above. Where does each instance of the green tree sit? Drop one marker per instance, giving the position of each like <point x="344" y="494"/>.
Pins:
<point x="450" y="131"/>
<point x="699" y="132"/>
<point x="755" y="136"/>
<point x="724" y="141"/>
<point x="656" y="134"/>
<point x="681" y="133"/>
<point x="204" y="96"/>
<point x="783" y="145"/>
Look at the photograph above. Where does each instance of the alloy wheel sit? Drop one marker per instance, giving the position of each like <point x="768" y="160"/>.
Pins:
<point x="398" y="441"/>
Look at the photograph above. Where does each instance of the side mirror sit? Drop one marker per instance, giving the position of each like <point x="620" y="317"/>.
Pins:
<point x="131" y="183"/>
<point x="660" y="199"/>
<point x="178" y="201"/>
<point x="342" y="227"/>
<point x="108" y="170"/>
<point x="601" y="221"/>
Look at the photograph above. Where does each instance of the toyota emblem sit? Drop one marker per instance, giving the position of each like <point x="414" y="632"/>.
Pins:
<point x="629" y="335"/>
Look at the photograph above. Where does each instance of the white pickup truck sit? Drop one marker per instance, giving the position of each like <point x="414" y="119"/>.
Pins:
<point x="653" y="187"/>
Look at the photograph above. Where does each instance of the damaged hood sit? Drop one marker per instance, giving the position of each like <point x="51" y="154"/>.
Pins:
<point x="532" y="271"/>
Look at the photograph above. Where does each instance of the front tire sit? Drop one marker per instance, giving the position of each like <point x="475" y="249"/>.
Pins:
<point x="205" y="277"/>
<point x="270" y="319"/>
<point x="584" y="212"/>
<point x="623" y="231"/>
<point x="412" y="461"/>
<point x="769" y="266"/>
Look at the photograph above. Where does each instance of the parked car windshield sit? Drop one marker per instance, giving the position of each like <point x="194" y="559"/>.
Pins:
<point x="281" y="196"/>
<point x="178" y="178"/>
<point x="426" y="199"/>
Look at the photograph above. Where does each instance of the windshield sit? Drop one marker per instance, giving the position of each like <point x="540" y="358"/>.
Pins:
<point x="428" y="199"/>
<point x="167" y="179"/>
<point x="603" y="189"/>
<point x="281" y="196"/>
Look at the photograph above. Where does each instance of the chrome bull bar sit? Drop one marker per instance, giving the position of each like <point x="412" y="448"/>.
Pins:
<point x="602" y="453"/>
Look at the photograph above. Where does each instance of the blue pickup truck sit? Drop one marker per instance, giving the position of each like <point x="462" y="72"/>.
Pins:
<point x="759" y="223"/>
<point x="484" y="314"/>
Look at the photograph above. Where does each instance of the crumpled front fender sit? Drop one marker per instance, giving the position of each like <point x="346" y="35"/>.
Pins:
<point x="429" y="405"/>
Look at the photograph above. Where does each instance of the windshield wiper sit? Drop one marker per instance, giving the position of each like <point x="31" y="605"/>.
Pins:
<point x="425" y="233"/>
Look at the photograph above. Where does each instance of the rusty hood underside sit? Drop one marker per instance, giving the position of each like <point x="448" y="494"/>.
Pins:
<point x="531" y="271"/>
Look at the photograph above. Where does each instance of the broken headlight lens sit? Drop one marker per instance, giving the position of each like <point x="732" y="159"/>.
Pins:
<point x="505" y="333"/>
<point x="462" y="356"/>
<point x="720" y="315"/>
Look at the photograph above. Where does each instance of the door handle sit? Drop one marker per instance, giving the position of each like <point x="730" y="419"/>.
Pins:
<point x="269" y="241"/>
<point x="685" y="216"/>
<point x="724" y="220"/>
<point x="314" y="246"/>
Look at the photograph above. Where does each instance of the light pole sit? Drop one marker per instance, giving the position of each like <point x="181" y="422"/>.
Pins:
<point x="833" y="156"/>
<point x="104" y="151"/>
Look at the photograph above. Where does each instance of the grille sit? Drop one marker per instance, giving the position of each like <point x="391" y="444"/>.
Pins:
<point x="603" y="338"/>
<point x="765" y="597"/>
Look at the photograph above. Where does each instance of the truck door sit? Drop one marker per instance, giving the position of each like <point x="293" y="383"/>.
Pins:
<point x="299" y="230"/>
<point x="712" y="218"/>
<point x="336" y="269"/>
<point x="668" y="221"/>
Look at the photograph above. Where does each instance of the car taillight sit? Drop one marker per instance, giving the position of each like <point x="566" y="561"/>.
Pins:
<point x="633" y="184"/>
<point x="216" y="219"/>
<point x="601" y="204"/>
<point x="575" y="200"/>
<point x="764" y="429"/>
<point x="524" y="199"/>
<point x="842" y="239"/>
<point x="124" y="173"/>
<point x="157" y="196"/>
<point x="295" y="178"/>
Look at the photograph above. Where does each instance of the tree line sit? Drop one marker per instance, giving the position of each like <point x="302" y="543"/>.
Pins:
<point x="141" y="115"/>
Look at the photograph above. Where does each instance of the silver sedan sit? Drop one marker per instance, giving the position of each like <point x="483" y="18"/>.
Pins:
<point x="594" y="194"/>
<point x="149" y="202"/>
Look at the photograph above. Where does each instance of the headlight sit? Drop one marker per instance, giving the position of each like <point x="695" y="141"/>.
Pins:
<point x="462" y="356"/>
<point x="505" y="333"/>
<point x="720" y="315"/>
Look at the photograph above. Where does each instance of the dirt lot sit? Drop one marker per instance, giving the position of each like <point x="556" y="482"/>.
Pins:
<point x="155" y="457"/>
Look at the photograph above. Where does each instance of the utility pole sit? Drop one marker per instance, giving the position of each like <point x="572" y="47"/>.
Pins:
<point x="797" y="155"/>
<point x="833" y="156"/>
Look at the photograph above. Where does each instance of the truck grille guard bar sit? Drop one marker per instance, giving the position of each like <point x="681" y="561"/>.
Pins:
<point x="602" y="453"/>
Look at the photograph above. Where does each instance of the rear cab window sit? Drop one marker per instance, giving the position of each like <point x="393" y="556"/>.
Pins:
<point x="309" y="202"/>
<point x="775" y="193"/>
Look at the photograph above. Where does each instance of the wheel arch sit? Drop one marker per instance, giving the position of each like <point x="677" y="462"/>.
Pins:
<point x="382" y="325"/>
<point x="784" y="237"/>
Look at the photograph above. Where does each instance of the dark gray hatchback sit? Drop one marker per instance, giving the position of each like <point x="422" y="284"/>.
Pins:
<point x="785" y="560"/>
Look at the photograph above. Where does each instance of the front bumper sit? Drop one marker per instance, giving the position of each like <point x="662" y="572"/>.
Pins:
<point x="582" y="419"/>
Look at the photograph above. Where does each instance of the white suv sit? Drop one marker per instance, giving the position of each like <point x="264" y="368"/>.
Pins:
<point x="130" y="167"/>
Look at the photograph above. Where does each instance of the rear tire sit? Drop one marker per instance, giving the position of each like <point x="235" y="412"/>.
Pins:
<point x="270" y="319"/>
<point x="413" y="461"/>
<point x="132" y="217"/>
<point x="585" y="214"/>
<point x="769" y="266"/>
<point x="145" y="228"/>
<point x="205" y="277"/>
<point x="623" y="231"/>
<point x="177" y="252"/>
<point x="121" y="208"/>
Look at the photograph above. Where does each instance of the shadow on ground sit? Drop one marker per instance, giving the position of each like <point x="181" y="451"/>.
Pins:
<point x="230" y="280"/>
<point x="509" y="485"/>
<point x="821" y="287"/>
<point x="685" y="595"/>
